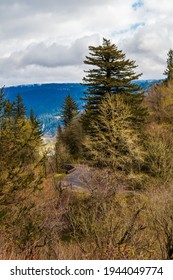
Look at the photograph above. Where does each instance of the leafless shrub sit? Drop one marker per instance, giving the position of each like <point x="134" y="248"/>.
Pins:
<point x="160" y="217"/>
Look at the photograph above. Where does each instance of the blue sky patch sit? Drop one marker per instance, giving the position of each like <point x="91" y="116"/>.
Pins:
<point x="132" y="27"/>
<point x="117" y="32"/>
<point x="138" y="4"/>
<point x="136" y="25"/>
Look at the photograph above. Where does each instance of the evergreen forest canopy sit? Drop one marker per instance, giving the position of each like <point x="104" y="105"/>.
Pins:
<point x="122" y="140"/>
<point x="46" y="100"/>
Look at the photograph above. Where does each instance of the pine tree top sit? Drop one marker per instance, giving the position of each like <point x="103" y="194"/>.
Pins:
<point x="110" y="73"/>
<point x="69" y="110"/>
<point x="111" y="70"/>
<point x="169" y="70"/>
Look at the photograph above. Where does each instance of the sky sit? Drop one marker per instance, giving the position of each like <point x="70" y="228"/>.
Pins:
<point x="43" y="41"/>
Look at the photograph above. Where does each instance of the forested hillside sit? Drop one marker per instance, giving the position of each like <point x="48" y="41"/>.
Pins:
<point x="105" y="189"/>
<point x="46" y="100"/>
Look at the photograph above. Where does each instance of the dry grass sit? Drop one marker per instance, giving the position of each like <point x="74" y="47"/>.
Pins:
<point x="102" y="223"/>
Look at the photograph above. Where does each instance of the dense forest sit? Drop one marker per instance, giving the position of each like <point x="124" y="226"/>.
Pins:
<point x="105" y="189"/>
<point x="46" y="100"/>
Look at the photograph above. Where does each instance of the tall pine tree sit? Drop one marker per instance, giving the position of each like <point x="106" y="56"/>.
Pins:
<point x="22" y="169"/>
<point x="111" y="73"/>
<point x="19" y="110"/>
<point x="21" y="162"/>
<point x="169" y="70"/>
<point x="69" y="110"/>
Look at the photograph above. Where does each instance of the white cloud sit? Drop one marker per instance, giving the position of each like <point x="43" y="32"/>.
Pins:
<point x="53" y="55"/>
<point x="42" y="63"/>
<point x="149" y="44"/>
<point x="46" y="41"/>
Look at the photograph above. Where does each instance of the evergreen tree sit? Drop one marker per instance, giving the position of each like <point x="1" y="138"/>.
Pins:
<point x="21" y="161"/>
<point x="32" y="116"/>
<point x="169" y="70"/>
<point x="111" y="74"/>
<point x="6" y="106"/>
<point x="59" y="131"/>
<point x="37" y="131"/>
<point x="115" y="143"/>
<point x="22" y="169"/>
<point x="72" y="136"/>
<point x="69" y="110"/>
<point x="1" y="101"/>
<point x="61" y="153"/>
<point x="19" y="109"/>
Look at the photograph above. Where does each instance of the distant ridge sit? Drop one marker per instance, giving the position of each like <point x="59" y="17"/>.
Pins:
<point x="46" y="99"/>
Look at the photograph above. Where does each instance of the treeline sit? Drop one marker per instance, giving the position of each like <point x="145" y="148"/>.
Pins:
<point x="22" y="168"/>
<point x="121" y="127"/>
<point x="124" y="136"/>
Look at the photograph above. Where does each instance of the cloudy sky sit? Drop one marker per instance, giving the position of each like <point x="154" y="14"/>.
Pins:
<point x="44" y="41"/>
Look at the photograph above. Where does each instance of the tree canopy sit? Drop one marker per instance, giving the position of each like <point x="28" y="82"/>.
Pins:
<point x="169" y="70"/>
<point x="69" y="110"/>
<point x="21" y="155"/>
<point x="111" y="73"/>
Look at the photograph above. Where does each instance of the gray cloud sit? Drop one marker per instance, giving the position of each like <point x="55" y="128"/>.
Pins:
<point x="47" y="63"/>
<point x="46" y="41"/>
<point x="149" y="46"/>
<point x="53" y="55"/>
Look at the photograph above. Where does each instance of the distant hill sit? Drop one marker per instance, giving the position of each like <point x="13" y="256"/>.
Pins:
<point x="46" y="99"/>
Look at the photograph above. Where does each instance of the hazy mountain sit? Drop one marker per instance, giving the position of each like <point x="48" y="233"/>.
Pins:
<point x="46" y="99"/>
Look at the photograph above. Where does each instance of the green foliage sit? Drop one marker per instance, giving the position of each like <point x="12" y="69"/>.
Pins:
<point x="19" y="109"/>
<point x="102" y="223"/>
<point x="21" y="161"/>
<point x="69" y="110"/>
<point x="62" y="154"/>
<point x="169" y="70"/>
<point x="37" y="131"/>
<point x="114" y="142"/>
<point x="112" y="74"/>
<point x="159" y="101"/>
<point x="159" y="207"/>
<point x="73" y="137"/>
<point x="159" y="150"/>
<point x="159" y="133"/>
<point x="69" y="143"/>
<point x="106" y="219"/>
<point x="59" y="176"/>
